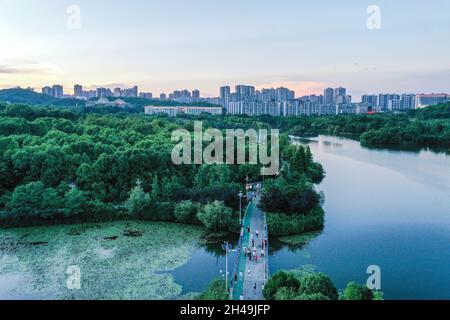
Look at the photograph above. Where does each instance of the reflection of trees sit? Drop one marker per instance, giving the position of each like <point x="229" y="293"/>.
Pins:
<point x="213" y="245"/>
<point x="276" y="244"/>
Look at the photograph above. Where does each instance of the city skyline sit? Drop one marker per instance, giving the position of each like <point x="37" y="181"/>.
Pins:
<point x="304" y="46"/>
<point x="329" y="96"/>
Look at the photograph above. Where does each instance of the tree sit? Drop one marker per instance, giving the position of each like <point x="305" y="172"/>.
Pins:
<point x="34" y="200"/>
<point x="156" y="190"/>
<point x="318" y="283"/>
<point x="353" y="291"/>
<point x="312" y="297"/>
<point x="286" y="282"/>
<point x="186" y="212"/>
<point x="138" y="201"/>
<point x="216" y="291"/>
<point x="298" y="163"/>
<point x="300" y="286"/>
<point x="215" y="216"/>
<point x="76" y="201"/>
<point x="296" y="197"/>
<point x="308" y="157"/>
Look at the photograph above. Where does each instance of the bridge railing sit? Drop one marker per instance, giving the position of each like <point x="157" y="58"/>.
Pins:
<point x="266" y="248"/>
<point x="235" y="272"/>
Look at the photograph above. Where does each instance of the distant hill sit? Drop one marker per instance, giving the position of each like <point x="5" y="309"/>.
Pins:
<point x="25" y="96"/>
<point x="34" y="98"/>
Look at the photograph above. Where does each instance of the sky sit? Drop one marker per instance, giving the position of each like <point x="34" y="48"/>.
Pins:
<point x="163" y="45"/>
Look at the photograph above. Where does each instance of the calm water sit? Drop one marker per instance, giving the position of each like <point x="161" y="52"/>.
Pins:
<point x="385" y="208"/>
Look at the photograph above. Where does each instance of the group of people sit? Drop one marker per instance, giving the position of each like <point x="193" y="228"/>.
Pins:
<point x="255" y="244"/>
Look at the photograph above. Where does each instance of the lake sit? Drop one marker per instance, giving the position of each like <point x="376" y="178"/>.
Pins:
<point x="384" y="208"/>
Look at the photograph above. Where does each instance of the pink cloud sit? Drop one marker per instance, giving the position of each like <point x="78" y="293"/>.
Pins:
<point x="301" y="88"/>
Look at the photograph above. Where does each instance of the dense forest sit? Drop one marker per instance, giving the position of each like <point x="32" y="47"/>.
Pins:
<point x="93" y="164"/>
<point x="57" y="165"/>
<point x="60" y="166"/>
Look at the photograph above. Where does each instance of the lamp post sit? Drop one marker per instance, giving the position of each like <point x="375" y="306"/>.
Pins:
<point x="240" y="195"/>
<point x="227" y="247"/>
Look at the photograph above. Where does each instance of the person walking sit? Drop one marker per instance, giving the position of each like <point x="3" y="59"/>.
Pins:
<point x="255" y="286"/>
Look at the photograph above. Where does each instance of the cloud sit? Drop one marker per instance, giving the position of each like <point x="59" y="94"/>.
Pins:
<point x="9" y="70"/>
<point x="29" y="68"/>
<point x="300" y="87"/>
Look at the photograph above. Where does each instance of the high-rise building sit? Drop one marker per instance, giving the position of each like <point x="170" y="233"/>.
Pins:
<point x="328" y="96"/>
<point x="196" y="95"/>
<point x="118" y="92"/>
<point x="408" y="101"/>
<point x="48" y="91"/>
<point x="163" y="96"/>
<point x="370" y="100"/>
<point x="284" y="94"/>
<point x="58" y="91"/>
<point x="78" y="90"/>
<point x="425" y="100"/>
<point x="146" y="95"/>
<point x="225" y="93"/>
<point x="395" y="104"/>
<point x="383" y="100"/>
<point x="339" y="95"/>
<point x="104" y="92"/>
<point x="245" y="92"/>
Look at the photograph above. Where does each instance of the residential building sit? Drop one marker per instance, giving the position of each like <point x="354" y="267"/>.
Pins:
<point x="425" y="100"/>
<point x="370" y="100"/>
<point x="328" y="96"/>
<point x="78" y="90"/>
<point x="174" y="111"/>
<point x="146" y="95"/>
<point x="58" y="91"/>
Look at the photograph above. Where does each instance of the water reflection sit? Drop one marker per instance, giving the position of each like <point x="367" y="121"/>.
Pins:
<point x="383" y="207"/>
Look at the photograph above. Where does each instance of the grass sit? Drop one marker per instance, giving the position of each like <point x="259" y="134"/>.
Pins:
<point x="118" y="260"/>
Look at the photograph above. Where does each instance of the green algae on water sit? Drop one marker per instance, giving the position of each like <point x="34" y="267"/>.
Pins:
<point x="118" y="260"/>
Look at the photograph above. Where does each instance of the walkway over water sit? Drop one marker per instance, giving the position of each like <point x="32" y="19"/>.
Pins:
<point x="252" y="271"/>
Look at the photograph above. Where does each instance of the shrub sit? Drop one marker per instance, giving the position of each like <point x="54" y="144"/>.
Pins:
<point x="284" y="225"/>
<point x="216" y="216"/>
<point x="215" y="291"/>
<point x="356" y="292"/>
<point x="186" y="212"/>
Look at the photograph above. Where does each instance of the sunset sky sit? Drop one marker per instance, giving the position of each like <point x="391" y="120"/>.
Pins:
<point x="162" y="45"/>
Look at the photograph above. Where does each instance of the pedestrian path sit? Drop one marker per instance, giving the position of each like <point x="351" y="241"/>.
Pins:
<point x="252" y="273"/>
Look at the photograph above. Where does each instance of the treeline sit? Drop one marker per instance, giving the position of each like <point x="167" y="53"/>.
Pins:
<point x="291" y="202"/>
<point x="22" y="96"/>
<point x="62" y="166"/>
